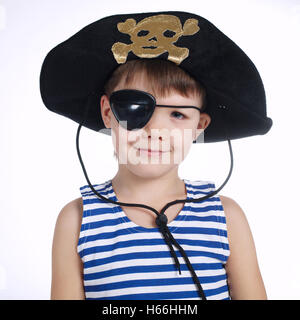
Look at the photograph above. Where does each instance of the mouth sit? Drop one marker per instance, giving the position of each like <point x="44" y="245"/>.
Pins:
<point x="151" y="152"/>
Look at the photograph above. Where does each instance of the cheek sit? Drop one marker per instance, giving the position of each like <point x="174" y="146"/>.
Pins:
<point x="119" y="136"/>
<point x="123" y="142"/>
<point x="181" y="141"/>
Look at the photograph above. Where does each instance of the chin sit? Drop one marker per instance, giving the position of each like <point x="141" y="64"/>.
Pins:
<point x="148" y="171"/>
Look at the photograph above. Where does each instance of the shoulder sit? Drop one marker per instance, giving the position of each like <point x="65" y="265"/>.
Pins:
<point x="69" y="218"/>
<point x="237" y="224"/>
<point x="72" y="209"/>
<point x="239" y="235"/>
<point x="233" y="211"/>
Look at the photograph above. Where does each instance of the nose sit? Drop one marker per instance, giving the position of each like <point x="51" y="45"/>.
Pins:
<point x="156" y="127"/>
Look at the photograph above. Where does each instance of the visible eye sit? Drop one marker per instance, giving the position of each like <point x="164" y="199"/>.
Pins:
<point x="169" y="33"/>
<point x="142" y="33"/>
<point x="180" y="115"/>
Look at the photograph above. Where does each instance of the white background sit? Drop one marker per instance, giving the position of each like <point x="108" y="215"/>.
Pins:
<point x="40" y="171"/>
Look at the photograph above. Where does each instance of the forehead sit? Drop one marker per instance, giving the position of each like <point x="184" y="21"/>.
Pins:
<point x="140" y="82"/>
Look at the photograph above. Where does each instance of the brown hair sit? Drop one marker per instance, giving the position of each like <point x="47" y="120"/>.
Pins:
<point x="163" y="76"/>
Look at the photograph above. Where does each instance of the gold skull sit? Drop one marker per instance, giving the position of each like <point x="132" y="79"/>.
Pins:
<point x="153" y="36"/>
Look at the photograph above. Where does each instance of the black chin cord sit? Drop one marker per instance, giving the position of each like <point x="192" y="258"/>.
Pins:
<point x="161" y="219"/>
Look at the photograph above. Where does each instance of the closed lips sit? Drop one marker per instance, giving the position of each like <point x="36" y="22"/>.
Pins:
<point x="149" y="150"/>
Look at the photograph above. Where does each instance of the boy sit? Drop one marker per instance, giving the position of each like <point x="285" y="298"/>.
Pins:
<point x="118" y="250"/>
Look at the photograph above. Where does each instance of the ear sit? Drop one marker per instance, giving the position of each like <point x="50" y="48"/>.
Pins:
<point x="203" y="123"/>
<point x="105" y="111"/>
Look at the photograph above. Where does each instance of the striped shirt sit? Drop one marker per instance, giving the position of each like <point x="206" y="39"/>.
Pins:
<point x="124" y="261"/>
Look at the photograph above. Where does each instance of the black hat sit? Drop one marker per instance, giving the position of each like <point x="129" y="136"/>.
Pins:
<point x="75" y="71"/>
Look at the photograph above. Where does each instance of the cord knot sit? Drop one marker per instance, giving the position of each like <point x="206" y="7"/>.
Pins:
<point x="161" y="220"/>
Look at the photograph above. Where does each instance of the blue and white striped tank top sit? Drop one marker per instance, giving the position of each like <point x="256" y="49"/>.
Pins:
<point x="124" y="261"/>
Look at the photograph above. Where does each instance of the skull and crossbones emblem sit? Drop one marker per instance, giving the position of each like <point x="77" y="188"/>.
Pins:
<point x="153" y="36"/>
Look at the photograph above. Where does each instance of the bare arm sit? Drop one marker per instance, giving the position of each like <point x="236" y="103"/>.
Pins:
<point x="244" y="278"/>
<point x="67" y="280"/>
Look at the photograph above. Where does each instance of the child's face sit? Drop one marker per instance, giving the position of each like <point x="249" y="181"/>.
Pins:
<point x="170" y="130"/>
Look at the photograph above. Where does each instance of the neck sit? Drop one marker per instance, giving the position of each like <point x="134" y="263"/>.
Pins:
<point x="131" y="187"/>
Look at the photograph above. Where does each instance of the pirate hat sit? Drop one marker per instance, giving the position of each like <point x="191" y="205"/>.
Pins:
<point x="74" y="72"/>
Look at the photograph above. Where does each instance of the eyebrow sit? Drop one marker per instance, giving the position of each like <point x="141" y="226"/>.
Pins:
<point x="174" y="107"/>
